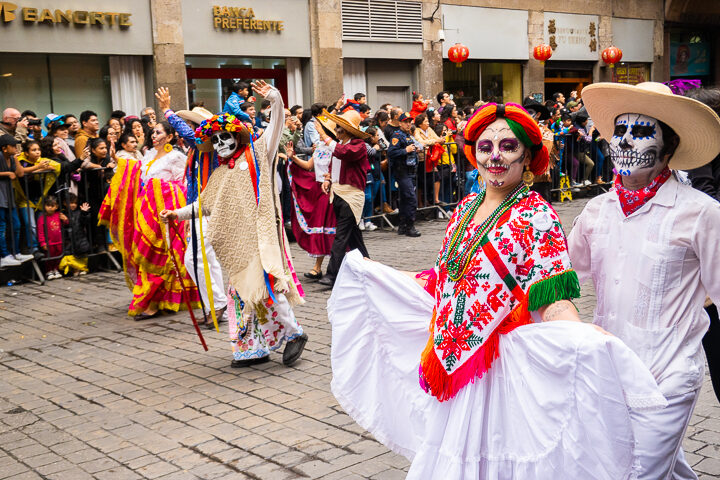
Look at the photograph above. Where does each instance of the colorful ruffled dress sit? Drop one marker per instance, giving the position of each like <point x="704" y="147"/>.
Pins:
<point x="138" y="192"/>
<point x="488" y="393"/>
<point x="313" y="219"/>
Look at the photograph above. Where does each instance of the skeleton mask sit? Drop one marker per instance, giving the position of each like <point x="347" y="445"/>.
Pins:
<point x="636" y="143"/>
<point x="224" y="144"/>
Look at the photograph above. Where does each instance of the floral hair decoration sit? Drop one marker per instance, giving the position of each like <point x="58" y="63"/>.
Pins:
<point x="520" y="122"/>
<point x="216" y="123"/>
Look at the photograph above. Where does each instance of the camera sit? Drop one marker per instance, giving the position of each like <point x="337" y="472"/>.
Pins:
<point x="34" y="122"/>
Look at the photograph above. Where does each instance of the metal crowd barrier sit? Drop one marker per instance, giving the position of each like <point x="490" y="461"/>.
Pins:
<point x="91" y="188"/>
<point x="451" y="190"/>
<point x="580" y="166"/>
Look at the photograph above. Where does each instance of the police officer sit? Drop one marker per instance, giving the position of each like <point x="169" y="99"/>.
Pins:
<point x="403" y="162"/>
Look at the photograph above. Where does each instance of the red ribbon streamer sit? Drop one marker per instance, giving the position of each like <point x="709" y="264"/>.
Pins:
<point x="186" y="295"/>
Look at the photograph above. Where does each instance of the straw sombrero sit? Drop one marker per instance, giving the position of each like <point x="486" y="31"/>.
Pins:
<point x="197" y="115"/>
<point x="327" y="124"/>
<point x="697" y="125"/>
<point x="350" y="122"/>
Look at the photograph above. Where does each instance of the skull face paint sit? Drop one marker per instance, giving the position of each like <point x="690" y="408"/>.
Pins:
<point x="224" y="144"/>
<point x="636" y="143"/>
<point x="500" y="155"/>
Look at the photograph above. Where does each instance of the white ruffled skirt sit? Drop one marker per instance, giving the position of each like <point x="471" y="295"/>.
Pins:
<point x="554" y="405"/>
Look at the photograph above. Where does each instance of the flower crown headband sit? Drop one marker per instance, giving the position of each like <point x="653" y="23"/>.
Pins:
<point x="216" y="123"/>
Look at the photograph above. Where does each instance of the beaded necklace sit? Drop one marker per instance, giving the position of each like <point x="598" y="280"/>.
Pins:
<point x="458" y="259"/>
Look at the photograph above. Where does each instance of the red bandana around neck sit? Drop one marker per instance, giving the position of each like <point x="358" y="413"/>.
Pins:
<point x="230" y="161"/>
<point x="632" y="200"/>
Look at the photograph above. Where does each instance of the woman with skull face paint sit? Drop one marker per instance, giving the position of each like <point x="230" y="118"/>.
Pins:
<point x="509" y="377"/>
<point x="138" y="192"/>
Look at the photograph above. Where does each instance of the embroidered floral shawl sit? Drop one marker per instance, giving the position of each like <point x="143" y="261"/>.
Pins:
<point x="522" y="264"/>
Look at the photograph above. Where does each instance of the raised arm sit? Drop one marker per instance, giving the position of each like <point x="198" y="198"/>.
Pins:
<point x="273" y="132"/>
<point x="182" y="128"/>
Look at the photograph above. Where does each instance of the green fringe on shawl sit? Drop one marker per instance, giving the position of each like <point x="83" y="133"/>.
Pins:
<point x="563" y="286"/>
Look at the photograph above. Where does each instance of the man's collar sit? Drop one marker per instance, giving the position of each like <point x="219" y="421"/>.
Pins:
<point x="667" y="193"/>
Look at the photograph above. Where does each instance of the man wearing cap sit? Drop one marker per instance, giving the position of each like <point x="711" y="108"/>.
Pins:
<point x="403" y="159"/>
<point x="346" y="185"/>
<point x="198" y="157"/>
<point x="10" y="169"/>
<point x="651" y="249"/>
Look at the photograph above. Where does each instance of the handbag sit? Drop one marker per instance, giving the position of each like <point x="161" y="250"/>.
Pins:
<point x="433" y="156"/>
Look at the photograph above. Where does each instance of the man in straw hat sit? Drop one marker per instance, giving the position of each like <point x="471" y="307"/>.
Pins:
<point x="346" y="185"/>
<point x="247" y="233"/>
<point x="202" y="160"/>
<point x="651" y="248"/>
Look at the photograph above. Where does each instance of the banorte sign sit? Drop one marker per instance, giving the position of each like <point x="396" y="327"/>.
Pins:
<point x="8" y="13"/>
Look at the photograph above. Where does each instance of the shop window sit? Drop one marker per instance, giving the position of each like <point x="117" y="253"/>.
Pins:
<point x="631" y="73"/>
<point x="79" y="80"/>
<point x="210" y="78"/>
<point x="55" y="83"/>
<point x="490" y="82"/>
<point x="24" y="82"/>
<point x="689" y="54"/>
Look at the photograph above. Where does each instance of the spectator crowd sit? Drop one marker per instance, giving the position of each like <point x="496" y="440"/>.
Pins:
<point x="56" y="169"/>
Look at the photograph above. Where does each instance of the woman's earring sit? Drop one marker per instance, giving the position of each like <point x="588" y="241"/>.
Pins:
<point x="528" y="177"/>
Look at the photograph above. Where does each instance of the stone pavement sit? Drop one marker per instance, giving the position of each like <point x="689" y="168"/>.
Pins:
<point x="86" y="392"/>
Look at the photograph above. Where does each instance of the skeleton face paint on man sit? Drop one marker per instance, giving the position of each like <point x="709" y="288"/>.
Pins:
<point x="224" y="143"/>
<point x="636" y="145"/>
<point x="500" y="155"/>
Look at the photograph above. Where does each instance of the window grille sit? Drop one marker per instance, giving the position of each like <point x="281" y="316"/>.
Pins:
<point x="382" y="20"/>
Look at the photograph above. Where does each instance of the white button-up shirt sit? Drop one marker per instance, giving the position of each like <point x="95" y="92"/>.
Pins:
<point x="652" y="271"/>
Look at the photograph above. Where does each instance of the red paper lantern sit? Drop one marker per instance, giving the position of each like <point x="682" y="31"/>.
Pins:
<point x="542" y="52"/>
<point x="458" y="53"/>
<point x="611" y="56"/>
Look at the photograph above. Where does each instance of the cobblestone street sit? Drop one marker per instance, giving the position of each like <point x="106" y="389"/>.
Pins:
<point x="86" y="392"/>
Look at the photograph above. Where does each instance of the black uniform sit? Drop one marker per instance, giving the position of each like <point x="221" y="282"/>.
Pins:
<point x="404" y="169"/>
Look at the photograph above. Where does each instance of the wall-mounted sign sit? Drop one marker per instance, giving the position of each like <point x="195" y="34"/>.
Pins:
<point x="70" y="17"/>
<point x="572" y="37"/>
<point x="241" y="18"/>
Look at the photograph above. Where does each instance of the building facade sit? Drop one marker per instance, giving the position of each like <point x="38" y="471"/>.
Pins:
<point x="67" y="55"/>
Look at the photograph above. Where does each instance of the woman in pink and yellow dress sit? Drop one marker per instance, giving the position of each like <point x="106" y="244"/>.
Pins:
<point x="139" y="191"/>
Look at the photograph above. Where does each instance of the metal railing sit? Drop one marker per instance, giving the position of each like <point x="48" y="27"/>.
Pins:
<point x="585" y="165"/>
<point x="90" y="187"/>
<point x="445" y="179"/>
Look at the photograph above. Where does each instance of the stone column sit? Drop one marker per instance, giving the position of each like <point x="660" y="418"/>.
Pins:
<point x="169" y="50"/>
<point x="431" y="66"/>
<point x="326" y="51"/>
<point x="602" y="72"/>
<point x="533" y="70"/>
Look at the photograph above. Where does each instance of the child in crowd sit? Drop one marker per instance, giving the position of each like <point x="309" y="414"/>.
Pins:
<point x="77" y="245"/>
<point x="419" y="105"/>
<point x="50" y="235"/>
<point x="29" y="192"/>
